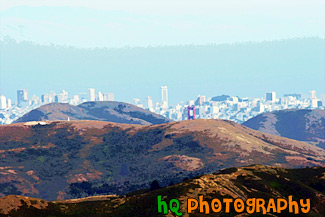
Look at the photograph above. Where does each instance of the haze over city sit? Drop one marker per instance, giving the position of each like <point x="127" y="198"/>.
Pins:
<point x="244" y="70"/>
<point x="206" y="48"/>
<point x="128" y="50"/>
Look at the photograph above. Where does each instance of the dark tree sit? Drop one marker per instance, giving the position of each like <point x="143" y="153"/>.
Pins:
<point x="154" y="185"/>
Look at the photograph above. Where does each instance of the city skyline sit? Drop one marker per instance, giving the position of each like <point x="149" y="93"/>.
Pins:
<point x="116" y="52"/>
<point x="92" y="95"/>
<point x="218" y="107"/>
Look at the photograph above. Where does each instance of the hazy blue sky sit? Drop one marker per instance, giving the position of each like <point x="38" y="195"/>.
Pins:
<point x="247" y="69"/>
<point x="284" y="66"/>
<point x="119" y="23"/>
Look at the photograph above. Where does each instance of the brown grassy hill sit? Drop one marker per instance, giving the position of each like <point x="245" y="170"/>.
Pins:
<point x="299" y="124"/>
<point x="256" y="181"/>
<point x="62" y="159"/>
<point x="112" y="111"/>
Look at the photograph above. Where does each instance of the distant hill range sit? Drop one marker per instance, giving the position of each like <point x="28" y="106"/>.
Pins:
<point x="118" y="112"/>
<point x="72" y="159"/>
<point x="303" y="125"/>
<point x="256" y="181"/>
<point x="223" y="98"/>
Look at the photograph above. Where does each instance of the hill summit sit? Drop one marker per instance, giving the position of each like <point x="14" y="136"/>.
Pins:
<point x="112" y="111"/>
<point x="299" y="124"/>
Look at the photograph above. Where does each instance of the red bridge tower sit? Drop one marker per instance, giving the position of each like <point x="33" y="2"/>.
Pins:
<point x="191" y="112"/>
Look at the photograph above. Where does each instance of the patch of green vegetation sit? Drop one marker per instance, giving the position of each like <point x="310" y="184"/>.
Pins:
<point x="41" y="158"/>
<point x="275" y="184"/>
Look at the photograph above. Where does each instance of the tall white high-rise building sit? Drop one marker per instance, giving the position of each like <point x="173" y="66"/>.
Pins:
<point x="65" y="96"/>
<point x="3" y="102"/>
<point x="312" y="94"/>
<point x="9" y="103"/>
<point x="314" y="103"/>
<point x="178" y="107"/>
<point x="149" y="102"/>
<point x="92" y="94"/>
<point x="214" y="108"/>
<point x="164" y="96"/>
<point x="52" y="96"/>
<point x="75" y="100"/>
<point x="108" y="96"/>
<point x="100" y="96"/>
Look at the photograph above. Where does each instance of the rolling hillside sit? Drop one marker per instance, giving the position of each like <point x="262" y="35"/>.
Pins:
<point x="256" y="181"/>
<point x="73" y="159"/>
<point x="112" y="111"/>
<point x="303" y="125"/>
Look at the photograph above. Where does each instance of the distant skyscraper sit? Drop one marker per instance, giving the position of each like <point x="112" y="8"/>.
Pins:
<point x="3" y="102"/>
<point x="9" y="103"/>
<point x="314" y="103"/>
<point x="108" y="96"/>
<point x="271" y="96"/>
<point x="45" y="98"/>
<point x="92" y="94"/>
<point x="313" y="94"/>
<point x="52" y="96"/>
<point x="22" y="97"/>
<point x="76" y="98"/>
<point x="100" y="96"/>
<point x="34" y="100"/>
<point x="149" y="102"/>
<point x="260" y="107"/>
<point x="164" y="96"/>
<point x="200" y="100"/>
<point x="65" y="96"/>
<point x="62" y="97"/>
<point x="214" y="108"/>
<point x="319" y="104"/>
<point x="58" y="98"/>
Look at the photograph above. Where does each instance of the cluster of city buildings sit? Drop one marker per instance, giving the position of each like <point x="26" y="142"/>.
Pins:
<point x="219" y="107"/>
<point x="228" y="107"/>
<point x="10" y="111"/>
